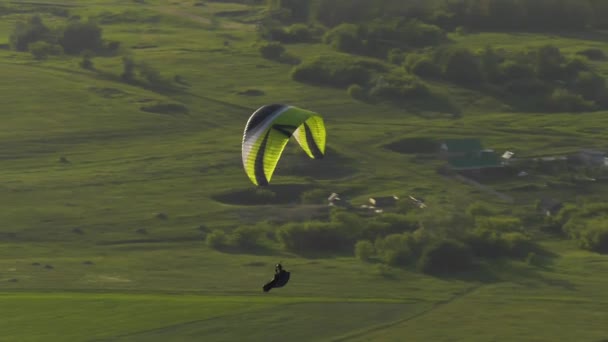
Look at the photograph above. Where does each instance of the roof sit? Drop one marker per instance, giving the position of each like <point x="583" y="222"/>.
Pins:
<point x="462" y="145"/>
<point x="485" y="160"/>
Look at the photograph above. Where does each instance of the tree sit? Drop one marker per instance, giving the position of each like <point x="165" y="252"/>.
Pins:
<point x="28" y="32"/>
<point x="79" y="36"/>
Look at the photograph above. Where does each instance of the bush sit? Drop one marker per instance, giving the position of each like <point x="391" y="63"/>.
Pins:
<point x="356" y="92"/>
<point x="518" y="245"/>
<point x="246" y="237"/>
<point x="216" y="239"/>
<point x="87" y="61"/>
<point x="445" y="256"/>
<point x="485" y="243"/>
<point x="128" y="73"/>
<point x="337" y="72"/>
<point x="79" y="36"/>
<point x="364" y="250"/>
<point x="272" y="50"/>
<point x="153" y="77"/>
<point x="396" y="249"/>
<point x="400" y="87"/>
<point x="561" y="100"/>
<point x="314" y="237"/>
<point x="461" y="66"/>
<point x="395" y="56"/>
<point x="593" y="54"/>
<point x="590" y="85"/>
<point x="298" y="33"/>
<point x="41" y="50"/>
<point x="595" y="236"/>
<point x="513" y="70"/>
<point x="28" y="32"/>
<point x="346" y="38"/>
<point x="425" y="67"/>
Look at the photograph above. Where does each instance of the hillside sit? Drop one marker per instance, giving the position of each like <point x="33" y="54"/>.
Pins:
<point x="127" y="214"/>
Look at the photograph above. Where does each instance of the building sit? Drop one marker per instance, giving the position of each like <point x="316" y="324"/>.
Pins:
<point x="468" y="155"/>
<point x="451" y="148"/>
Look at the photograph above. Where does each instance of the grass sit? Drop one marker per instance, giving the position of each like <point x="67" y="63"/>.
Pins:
<point x="125" y="166"/>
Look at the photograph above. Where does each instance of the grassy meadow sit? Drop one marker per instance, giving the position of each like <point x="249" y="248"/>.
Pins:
<point x="105" y="205"/>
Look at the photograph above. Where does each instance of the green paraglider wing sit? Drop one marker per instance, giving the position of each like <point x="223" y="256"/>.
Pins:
<point x="267" y="132"/>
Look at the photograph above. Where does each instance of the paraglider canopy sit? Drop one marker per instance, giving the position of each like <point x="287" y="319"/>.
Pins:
<point x="267" y="132"/>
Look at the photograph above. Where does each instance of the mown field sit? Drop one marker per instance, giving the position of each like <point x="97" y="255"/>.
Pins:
<point x="105" y="205"/>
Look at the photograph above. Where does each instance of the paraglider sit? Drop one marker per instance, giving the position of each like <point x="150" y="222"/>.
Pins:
<point x="267" y="132"/>
<point x="281" y="277"/>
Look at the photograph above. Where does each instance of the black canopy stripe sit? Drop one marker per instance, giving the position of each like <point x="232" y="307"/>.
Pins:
<point x="312" y="145"/>
<point x="260" y="176"/>
<point x="262" y="114"/>
<point x="287" y="130"/>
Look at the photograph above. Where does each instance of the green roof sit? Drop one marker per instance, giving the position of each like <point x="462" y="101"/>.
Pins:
<point x="463" y="145"/>
<point x="484" y="160"/>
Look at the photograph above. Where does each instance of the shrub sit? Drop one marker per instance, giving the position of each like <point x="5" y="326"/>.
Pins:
<point x="345" y="37"/>
<point x="314" y="236"/>
<point x="356" y="92"/>
<point x="272" y="50"/>
<point x="298" y="33"/>
<point x="337" y="72"/>
<point x="561" y="100"/>
<point x="445" y="256"/>
<point x="590" y="85"/>
<point x="79" y="36"/>
<point x="87" y="60"/>
<point x="216" y="239"/>
<point x="395" y="56"/>
<point x="513" y="70"/>
<point x="246" y="237"/>
<point x="461" y="66"/>
<point x="518" y="245"/>
<point x="28" y="32"/>
<point x="41" y="50"/>
<point x="425" y="67"/>
<point x="400" y="87"/>
<point x="128" y="73"/>
<point x="396" y="249"/>
<point x="364" y="250"/>
<point x="593" y="54"/>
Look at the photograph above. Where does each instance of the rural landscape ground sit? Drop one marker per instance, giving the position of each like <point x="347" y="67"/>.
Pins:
<point x="126" y="214"/>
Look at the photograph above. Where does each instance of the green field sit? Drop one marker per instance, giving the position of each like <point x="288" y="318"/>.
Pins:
<point x="104" y="205"/>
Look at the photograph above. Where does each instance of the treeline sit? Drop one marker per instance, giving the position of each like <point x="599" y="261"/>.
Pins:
<point x="74" y="37"/>
<point x="85" y="38"/>
<point x="473" y="14"/>
<point x="394" y="239"/>
<point x="540" y="79"/>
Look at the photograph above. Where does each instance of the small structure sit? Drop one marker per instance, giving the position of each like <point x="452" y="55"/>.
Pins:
<point x="506" y="157"/>
<point x="383" y="202"/>
<point x="549" y="206"/>
<point x="334" y="200"/>
<point x="468" y="155"/>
